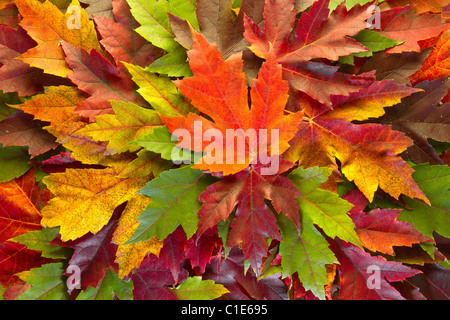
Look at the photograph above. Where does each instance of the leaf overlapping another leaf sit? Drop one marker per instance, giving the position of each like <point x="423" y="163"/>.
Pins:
<point x="48" y="26"/>
<point x="219" y="90"/>
<point x="92" y="116"/>
<point x="98" y="192"/>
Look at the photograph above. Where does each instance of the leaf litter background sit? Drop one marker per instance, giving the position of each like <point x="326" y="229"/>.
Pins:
<point x="86" y="176"/>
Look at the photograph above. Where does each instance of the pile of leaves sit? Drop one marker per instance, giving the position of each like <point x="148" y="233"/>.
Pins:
<point x="93" y="207"/>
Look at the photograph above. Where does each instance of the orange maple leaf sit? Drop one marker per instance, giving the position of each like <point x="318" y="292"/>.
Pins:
<point x="218" y="89"/>
<point x="437" y="64"/>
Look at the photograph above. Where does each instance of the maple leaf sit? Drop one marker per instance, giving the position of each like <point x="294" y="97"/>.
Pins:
<point x="124" y="44"/>
<point x="160" y="141"/>
<point x="99" y="192"/>
<point x="437" y="64"/>
<point x="227" y="104"/>
<point x="361" y="148"/>
<point x="100" y="8"/>
<point x="402" y="24"/>
<point x="15" y="75"/>
<point x="433" y="282"/>
<point x="217" y="22"/>
<point x="253" y="221"/>
<point x="146" y="164"/>
<point x="129" y="122"/>
<point x="433" y="180"/>
<point x="396" y="66"/>
<point x="379" y="229"/>
<point x="307" y="254"/>
<point x="322" y="207"/>
<point x="321" y="81"/>
<point x="108" y="288"/>
<point x="131" y="255"/>
<point x="48" y="27"/>
<point x="168" y="210"/>
<point x="95" y="75"/>
<point x="219" y="25"/>
<point x="194" y="288"/>
<point x="123" y="95"/>
<point x="172" y="253"/>
<point x="373" y="41"/>
<point x="242" y="285"/>
<point x="317" y="35"/>
<point x="94" y="254"/>
<point x="82" y="148"/>
<point x="423" y="6"/>
<point x="21" y="130"/>
<point x="155" y="27"/>
<point x="200" y="248"/>
<point x="355" y="269"/>
<point x="42" y="240"/>
<point x="14" y="162"/>
<point x="120" y="40"/>
<point x="15" y="258"/>
<point x="421" y="117"/>
<point x="56" y="105"/>
<point x="160" y="92"/>
<point x="20" y="202"/>
<point x="47" y="283"/>
<point x="150" y="280"/>
<point x="61" y="103"/>
<point x="370" y="102"/>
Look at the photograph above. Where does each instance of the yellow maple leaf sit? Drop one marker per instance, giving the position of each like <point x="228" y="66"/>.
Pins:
<point x="48" y="26"/>
<point x="56" y="105"/>
<point x="84" y="199"/>
<point x="130" y="255"/>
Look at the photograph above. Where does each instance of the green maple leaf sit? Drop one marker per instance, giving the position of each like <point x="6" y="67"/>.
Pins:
<point x="305" y="253"/>
<point x="155" y="27"/>
<point x="194" y="288"/>
<point x="47" y="283"/>
<point x="434" y="181"/>
<point x="146" y="163"/>
<point x="348" y="3"/>
<point x="159" y="91"/>
<point x="159" y="141"/>
<point x="110" y="284"/>
<point x="14" y="162"/>
<point x="174" y="202"/>
<point x="162" y="142"/>
<point x="39" y="241"/>
<point x="373" y="41"/>
<point x="324" y="208"/>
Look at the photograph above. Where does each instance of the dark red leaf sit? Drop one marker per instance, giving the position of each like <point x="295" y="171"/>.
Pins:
<point x="151" y="280"/>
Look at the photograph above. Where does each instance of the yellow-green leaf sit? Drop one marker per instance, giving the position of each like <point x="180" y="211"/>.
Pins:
<point x="129" y="122"/>
<point x="160" y="92"/>
<point x="195" y="288"/>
